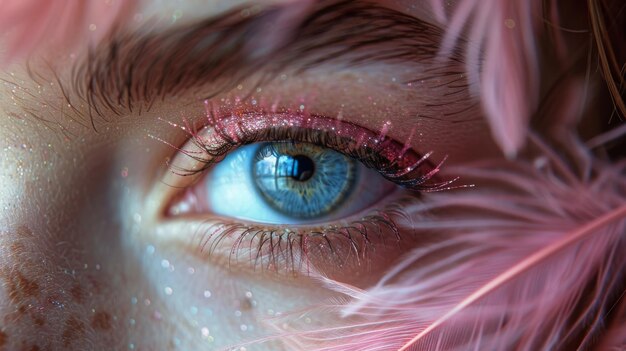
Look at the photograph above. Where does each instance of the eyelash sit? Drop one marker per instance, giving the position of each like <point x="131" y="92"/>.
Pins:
<point x="275" y="246"/>
<point x="273" y="249"/>
<point x="394" y="161"/>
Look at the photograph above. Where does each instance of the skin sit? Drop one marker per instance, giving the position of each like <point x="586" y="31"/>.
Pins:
<point x="82" y="264"/>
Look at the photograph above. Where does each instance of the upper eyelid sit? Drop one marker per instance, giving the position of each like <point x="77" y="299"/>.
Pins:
<point x="393" y="160"/>
<point x="130" y="69"/>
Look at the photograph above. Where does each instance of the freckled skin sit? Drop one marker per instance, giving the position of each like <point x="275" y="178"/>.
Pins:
<point x="3" y="338"/>
<point x="101" y="320"/>
<point x="74" y="276"/>
<point x="66" y="279"/>
<point x="49" y="307"/>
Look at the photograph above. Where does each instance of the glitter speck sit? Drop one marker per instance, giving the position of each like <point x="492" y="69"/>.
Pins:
<point x="207" y="294"/>
<point x="248" y="294"/>
<point x="131" y="346"/>
<point x="238" y="313"/>
<point x="92" y="27"/>
<point x="131" y="322"/>
<point x="191" y="270"/>
<point x="165" y="263"/>
<point x="168" y="290"/>
<point x="133" y="300"/>
<point x="243" y="327"/>
<point x="124" y="172"/>
<point x="194" y="310"/>
<point x="150" y="249"/>
<point x="205" y="332"/>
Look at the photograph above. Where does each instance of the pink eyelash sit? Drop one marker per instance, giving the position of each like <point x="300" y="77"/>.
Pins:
<point x="235" y="126"/>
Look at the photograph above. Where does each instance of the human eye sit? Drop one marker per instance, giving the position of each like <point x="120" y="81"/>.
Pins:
<point x="286" y="184"/>
<point x="311" y="175"/>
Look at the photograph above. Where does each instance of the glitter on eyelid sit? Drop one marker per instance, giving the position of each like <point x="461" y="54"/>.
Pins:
<point x="168" y="290"/>
<point x="165" y="263"/>
<point x="207" y="294"/>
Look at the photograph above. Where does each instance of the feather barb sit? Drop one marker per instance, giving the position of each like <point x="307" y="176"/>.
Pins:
<point x="539" y="256"/>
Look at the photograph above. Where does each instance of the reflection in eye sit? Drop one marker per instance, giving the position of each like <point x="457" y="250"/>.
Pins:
<point x="287" y="168"/>
<point x="286" y="183"/>
<point x="302" y="180"/>
<point x="288" y="191"/>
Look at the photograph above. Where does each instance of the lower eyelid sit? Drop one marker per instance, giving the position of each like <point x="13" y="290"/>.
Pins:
<point x="334" y="249"/>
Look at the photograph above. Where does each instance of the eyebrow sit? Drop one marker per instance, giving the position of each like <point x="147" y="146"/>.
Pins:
<point x="133" y="70"/>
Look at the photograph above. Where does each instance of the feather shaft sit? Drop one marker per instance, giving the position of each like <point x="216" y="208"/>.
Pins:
<point x="617" y="214"/>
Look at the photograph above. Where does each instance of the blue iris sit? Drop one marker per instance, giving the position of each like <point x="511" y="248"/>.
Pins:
<point x="302" y="180"/>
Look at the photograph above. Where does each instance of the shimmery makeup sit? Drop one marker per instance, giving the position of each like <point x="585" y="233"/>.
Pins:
<point x="225" y="130"/>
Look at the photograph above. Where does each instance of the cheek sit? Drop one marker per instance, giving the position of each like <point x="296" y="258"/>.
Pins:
<point x="63" y="296"/>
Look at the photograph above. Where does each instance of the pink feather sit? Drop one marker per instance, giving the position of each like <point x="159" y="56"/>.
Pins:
<point x="531" y="259"/>
<point x="502" y="62"/>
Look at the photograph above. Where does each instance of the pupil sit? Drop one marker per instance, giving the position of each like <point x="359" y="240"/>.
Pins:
<point x="303" y="168"/>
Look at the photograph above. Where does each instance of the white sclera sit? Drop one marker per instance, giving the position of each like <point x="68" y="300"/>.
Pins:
<point x="232" y="191"/>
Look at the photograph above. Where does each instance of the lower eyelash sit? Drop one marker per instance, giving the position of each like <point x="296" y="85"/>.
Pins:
<point x="282" y="249"/>
<point x="292" y="248"/>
